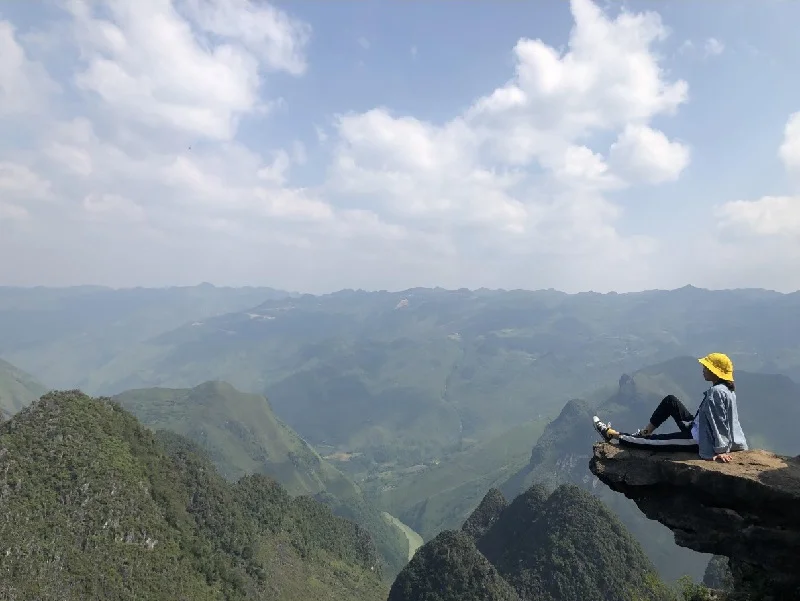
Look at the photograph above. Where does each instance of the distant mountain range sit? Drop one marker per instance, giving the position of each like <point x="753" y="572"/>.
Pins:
<point x="17" y="389"/>
<point x="63" y="335"/>
<point x="422" y="400"/>
<point x="406" y="375"/>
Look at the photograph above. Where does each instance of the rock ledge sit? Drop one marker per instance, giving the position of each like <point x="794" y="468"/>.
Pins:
<point x="747" y="510"/>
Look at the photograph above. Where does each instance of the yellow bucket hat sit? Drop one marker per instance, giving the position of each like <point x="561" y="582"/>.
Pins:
<point x="718" y="364"/>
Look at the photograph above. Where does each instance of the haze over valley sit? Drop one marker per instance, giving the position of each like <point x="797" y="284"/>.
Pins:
<point x="318" y="301"/>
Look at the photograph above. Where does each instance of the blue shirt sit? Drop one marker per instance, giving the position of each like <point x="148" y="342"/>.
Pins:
<point x="716" y="426"/>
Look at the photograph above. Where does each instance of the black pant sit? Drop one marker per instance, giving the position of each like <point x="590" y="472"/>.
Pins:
<point x="682" y="440"/>
<point x="670" y="406"/>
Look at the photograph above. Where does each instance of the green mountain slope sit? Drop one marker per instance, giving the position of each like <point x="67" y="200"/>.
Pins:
<point x="17" y="389"/>
<point x="64" y="335"/>
<point x="242" y="436"/>
<point x="567" y="547"/>
<point x="240" y="433"/>
<point x="450" y="568"/>
<point x="409" y="376"/>
<point x="564" y="546"/>
<point x="98" y="507"/>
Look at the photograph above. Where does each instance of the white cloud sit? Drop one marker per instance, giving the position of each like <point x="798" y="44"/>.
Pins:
<point x="21" y="191"/>
<point x="111" y="207"/>
<point x="363" y="42"/>
<point x="761" y="237"/>
<point x="147" y="62"/>
<point x="513" y="188"/>
<point x="642" y="154"/>
<point x="713" y="47"/>
<point x="20" y="181"/>
<point x="608" y="79"/>
<point x="768" y="216"/>
<point x="24" y="85"/>
<point x="277" y="39"/>
<point x="516" y="172"/>
<point x="789" y="151"/>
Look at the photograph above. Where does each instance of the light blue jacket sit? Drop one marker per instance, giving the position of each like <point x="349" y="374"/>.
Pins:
<point x="718" y="427"/>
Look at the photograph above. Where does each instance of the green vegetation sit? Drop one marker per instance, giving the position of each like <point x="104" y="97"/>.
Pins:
<point x="450" y="568"/>
<point x="414" y="540"/>
<point x="97" y="507"/>
<point x="562" y="454"/>
<point x="718" y="574"/>
<point x="418" y="404"/>
<point x="563" y="547"/>
<point x="568" y="547"/>
<point x="441" y="496"/>
<point x="17" y="389"/>
<point x="485" y="515"/>
<point x="242" y="436"/>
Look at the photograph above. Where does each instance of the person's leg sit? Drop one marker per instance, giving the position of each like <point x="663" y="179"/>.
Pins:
<point x="676" y="441"/>
<point x="670" y="406"/>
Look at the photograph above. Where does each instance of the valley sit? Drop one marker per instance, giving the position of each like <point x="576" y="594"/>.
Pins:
<point x="375" y="409"/>
<point x="414" y="540"/>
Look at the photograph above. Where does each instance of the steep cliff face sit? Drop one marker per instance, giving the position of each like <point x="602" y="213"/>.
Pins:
<point x="746" y="510"/>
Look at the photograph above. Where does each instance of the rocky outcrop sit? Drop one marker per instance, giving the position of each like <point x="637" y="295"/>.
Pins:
<point x="747" y="510"/>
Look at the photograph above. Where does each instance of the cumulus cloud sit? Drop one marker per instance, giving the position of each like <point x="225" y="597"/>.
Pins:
<point x="647" y="155"/>
<point x="153" y="163"/>
<point x="146" y="62"/>
<point x="770" y="215"/>
<point x="518" y="165"/>
<point x="761" y="237"/>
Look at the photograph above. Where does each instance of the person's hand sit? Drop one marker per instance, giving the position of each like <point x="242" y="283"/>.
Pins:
<point x="722" y="457"/>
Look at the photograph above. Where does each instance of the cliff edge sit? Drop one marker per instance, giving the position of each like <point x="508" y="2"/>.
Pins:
<point x="747" y="510"/>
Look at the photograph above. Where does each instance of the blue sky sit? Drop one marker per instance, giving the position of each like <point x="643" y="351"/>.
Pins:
<point x="323" y="145"/>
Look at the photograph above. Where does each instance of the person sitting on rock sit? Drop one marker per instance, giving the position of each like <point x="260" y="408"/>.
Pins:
<point x="713" y="432"/>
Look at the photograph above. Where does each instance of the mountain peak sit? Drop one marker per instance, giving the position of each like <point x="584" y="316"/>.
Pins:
<point x="485" y="515"/>
<point x="450" y="568"/>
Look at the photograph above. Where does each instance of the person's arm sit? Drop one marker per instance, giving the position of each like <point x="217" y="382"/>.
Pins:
<point x="717" y="410"/>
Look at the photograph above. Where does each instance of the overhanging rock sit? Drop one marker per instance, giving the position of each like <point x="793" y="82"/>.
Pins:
<point x="747" y="510"/>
